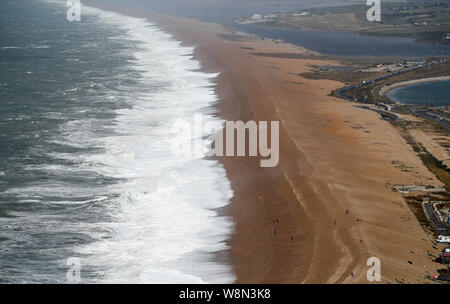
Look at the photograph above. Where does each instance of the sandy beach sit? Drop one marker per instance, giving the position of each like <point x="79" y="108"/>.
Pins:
<point x="386" y="89"/>
<point x="333" y="157"/>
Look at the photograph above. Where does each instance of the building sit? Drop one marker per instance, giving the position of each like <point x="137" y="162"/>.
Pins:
<point x="301" y="14"/>
<point x="257" y="17"/>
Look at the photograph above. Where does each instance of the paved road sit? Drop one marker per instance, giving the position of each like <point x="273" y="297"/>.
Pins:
<point x="342" y="92"/>
<point x="443" y="123"/>
<point x="442" y="228"/>
<point x="386" y="115"/>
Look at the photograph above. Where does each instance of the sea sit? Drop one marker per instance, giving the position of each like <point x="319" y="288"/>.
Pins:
<point x="433" y="94"/>
<point x="87" y="173"/>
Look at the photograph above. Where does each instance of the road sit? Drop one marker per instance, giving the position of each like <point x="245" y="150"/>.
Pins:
<point x="441" y="227"/>
<point x="423" y="113"/>
<point x="342" y="93"/>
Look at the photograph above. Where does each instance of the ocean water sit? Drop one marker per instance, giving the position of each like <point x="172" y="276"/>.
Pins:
<point x="430" y="94"/>
<point x="86" y="169"/>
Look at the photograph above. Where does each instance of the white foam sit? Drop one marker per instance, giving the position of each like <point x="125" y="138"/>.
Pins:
<point x="165" y="228"/>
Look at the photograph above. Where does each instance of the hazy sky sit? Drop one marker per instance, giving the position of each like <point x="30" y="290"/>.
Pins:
<point x="223" y="11"/>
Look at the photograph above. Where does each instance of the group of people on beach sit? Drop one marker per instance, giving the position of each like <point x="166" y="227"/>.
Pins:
<point x="347" y="212"/>
<point x="359" y="221"/>
<point x="274" y="231"/>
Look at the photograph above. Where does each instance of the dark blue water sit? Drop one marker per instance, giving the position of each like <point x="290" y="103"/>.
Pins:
<point x="348" y="44"/>
<point x="430" y="94"/>
<point x="86" y="163"/>
<point x="55" y="77"/>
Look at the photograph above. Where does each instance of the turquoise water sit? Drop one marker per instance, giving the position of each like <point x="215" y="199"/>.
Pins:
<point x="431" y="93"/>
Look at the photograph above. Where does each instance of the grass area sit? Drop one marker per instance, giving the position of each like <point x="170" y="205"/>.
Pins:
<point x="371" y="91"/>
<point x="435" y="166"/>
<point x="347" y="77"/>
<point x="440" y="170"/>
<point x="424" y="21"/>
<point x="415" y="204"/>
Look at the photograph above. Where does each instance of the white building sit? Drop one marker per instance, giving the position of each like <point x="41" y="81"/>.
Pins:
<point x="257" y="17"/>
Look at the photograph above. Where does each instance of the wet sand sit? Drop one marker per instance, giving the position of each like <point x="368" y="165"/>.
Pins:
<point x="333" y="157"/>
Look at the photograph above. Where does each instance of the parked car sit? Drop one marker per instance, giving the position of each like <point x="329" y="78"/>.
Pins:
<point x="442" y="277"/>
<point x="443" y="239"/>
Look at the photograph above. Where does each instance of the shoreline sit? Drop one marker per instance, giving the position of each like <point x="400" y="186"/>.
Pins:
<point x="388" y="88"/>
<point x="329" y="162"/>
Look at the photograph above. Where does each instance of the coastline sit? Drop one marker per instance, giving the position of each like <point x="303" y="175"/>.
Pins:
<point x="388" y="88"/>
<point x="328" y="164"/>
